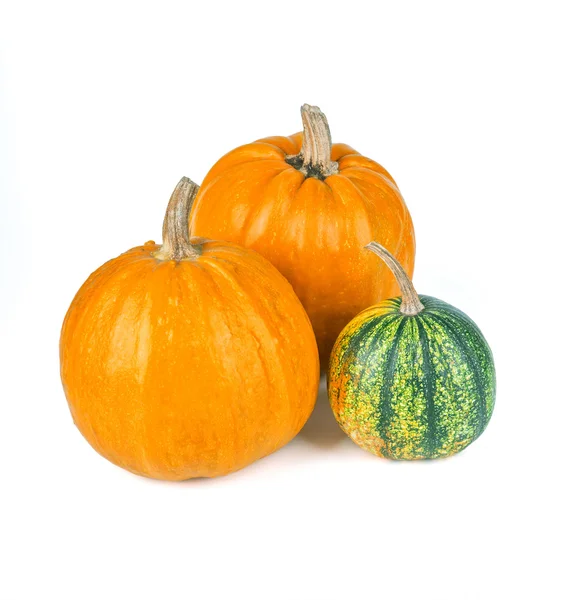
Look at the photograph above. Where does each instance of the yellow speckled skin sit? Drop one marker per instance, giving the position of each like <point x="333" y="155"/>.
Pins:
<point x="412" y="387"/>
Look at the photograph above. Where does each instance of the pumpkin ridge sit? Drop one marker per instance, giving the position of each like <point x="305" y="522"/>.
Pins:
<point x="149" y="312"/>
<point x="211" y="181"/>
<point x="383" y="324"/>
<point x="349" y="352"/>
<point x="354" y="366"/>
<point x="218" y="269"/>
<point x="250" y="152"/>
<point x="363" y="331"/>
<point x="357" y="199"/>
<point x="213" y="270"/>
<point x="455" y="391"/>
<point x="472" y="350"/>
<point x="448" y="308"/>
<point x="408" y="426"/>
<point x="405" y="215"/>
<point x="279" y="167"/>
<point x="283" y="143"/>
<point x="272" y="328"/>
<point x="113" y="265"/>
<point x="483" y="360"/>
<point x="209" y="269"/>
<point x="380" y="323"/>
<point x="340" y="150"/>
<point x="399" y="237"/>
<point x="151" y="290"/>
<point x="385" y="405"/>
<point x="267" y="142"/>
<point x="469" y="354"/>
<point x="349" y="173"/>
<point x="106" y="275"/>
<point x="429" y="388"/>
<point x="109" y="309"/>
<point x="258" y="307"/>
<point x="276" y="203"/>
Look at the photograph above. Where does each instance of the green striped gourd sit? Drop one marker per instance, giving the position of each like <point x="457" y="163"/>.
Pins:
<point x="412" y="377"/>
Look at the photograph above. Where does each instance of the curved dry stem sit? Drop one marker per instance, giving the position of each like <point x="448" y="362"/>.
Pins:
<point x="313" y="160"/>
<point x="176" y="244"/>
<point x="411" y="304"/>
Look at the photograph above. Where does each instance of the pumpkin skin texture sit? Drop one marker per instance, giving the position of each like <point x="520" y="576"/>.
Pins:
<point x="310" y="221"/>
<point x="412" y="386"/>
<point x="197" y="367"/>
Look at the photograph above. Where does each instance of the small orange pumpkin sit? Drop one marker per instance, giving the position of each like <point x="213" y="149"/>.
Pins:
<point x="192" y="359"/>
<point x="310" y="207"/>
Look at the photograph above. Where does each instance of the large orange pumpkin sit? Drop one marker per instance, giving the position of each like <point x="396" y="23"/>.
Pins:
<point x="192" y="359"/>
<point x="310" y="207"/>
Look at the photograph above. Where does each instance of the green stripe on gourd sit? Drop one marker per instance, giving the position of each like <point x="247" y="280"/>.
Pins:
<point x="412" y="377"/>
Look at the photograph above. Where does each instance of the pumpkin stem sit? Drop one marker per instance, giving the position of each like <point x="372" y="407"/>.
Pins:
<point x="313" y="160"/>
<point x="176" y="244"/>
<point x="411" y="304"/>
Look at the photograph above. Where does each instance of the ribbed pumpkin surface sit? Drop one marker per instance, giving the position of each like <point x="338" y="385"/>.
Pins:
<point x="312" y="230"/>
<point x="410" y="387"/>
<point x="195" y="368"/>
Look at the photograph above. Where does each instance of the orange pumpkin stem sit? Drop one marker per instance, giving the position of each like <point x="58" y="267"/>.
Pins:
<point x="176" y="244"/>
<point x="411" y="304"/>
<point x="314" y="160"/>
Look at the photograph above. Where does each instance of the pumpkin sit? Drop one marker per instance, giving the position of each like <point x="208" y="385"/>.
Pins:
<point x="190" y="359"/>
<point x="411" y="378"/>
<point x="309" y="206"/>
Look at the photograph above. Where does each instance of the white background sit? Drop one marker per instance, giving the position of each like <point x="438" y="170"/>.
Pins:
<point x="104" y="106"/>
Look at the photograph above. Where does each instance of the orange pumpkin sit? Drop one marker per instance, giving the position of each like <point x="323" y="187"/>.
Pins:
<point x="310" y="207"/>
<point x="192" y="359"/>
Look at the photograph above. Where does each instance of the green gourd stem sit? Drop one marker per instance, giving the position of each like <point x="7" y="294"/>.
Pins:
<point x="176" y="244"/>
<point x="313" y="160"/>
<point x="411" y="304"/>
